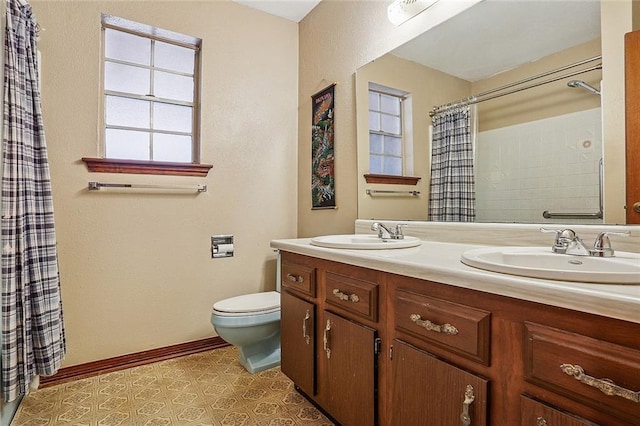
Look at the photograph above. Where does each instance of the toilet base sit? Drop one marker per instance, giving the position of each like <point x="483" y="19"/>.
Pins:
<point x="260" y="356"/>
<point x="260" y="362"/>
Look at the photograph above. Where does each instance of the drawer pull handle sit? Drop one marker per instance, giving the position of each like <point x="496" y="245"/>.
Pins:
<point x="540" y="421"/>
<point x="342" y="296"/>
<point x="325" y="339"/>
<point x="305" y="335"/>
<point x="469" y="397"/>
<point x="295" y="278"/>
<point x="444" y="328"/>
<point x="606" y="386"/>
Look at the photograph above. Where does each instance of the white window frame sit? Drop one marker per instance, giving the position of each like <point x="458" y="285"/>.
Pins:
<point x="406" y="126"/>
<point x="104" y="164"/>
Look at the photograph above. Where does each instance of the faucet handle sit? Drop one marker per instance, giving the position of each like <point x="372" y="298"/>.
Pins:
<point x="563" y="238"/>
<point x="602" y="244"/>
<point x="399" y="234"/>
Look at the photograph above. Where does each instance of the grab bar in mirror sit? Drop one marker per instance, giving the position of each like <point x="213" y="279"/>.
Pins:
<point x="598" y="215"/>
<point x="548" y="215"/>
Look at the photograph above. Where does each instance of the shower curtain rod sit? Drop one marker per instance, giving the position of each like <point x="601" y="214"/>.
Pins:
<point x="481" y="97"/>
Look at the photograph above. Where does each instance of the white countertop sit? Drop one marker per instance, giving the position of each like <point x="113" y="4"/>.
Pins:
<point x="440" y="262"/>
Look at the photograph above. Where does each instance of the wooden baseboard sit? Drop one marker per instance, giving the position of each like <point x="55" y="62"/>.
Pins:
<point x="109" y="365"/>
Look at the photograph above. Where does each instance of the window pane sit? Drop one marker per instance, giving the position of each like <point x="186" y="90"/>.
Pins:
<point x="375" y="143"/>
<point x="374" y="101"/>
<point x="375" y="164"/>
<point x="127" y="112"/>
<point x="127" y="144"/>
<point x="390" y="124"/>
<point x="172" y="57"/>
<point x="174" y="118"/>
<point x="392" y="166"/>
<point x="392" y="146"/>
<point x="127" y="47"/>
<point x="171" y="148"/>
<point x="125" y="78"/>
<point x="171" y="86"/>
<point x="390" y="104"/>
<point x="374" y="121"/>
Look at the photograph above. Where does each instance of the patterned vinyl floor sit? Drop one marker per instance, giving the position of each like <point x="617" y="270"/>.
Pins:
<point x="210" y="388"/>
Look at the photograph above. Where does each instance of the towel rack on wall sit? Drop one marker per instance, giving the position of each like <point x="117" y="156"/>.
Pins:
<point x="382" y="191"/>
<point x="95" y="186"/>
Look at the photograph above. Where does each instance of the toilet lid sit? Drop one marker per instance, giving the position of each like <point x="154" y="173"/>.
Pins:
<point x="255" y="302"/>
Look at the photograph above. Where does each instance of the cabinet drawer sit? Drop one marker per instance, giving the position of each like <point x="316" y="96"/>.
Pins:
<point x="535" y="413"/>
<point x="461" y="329"/>
<point x="596" y="373"/>
<point x="353" y="295"/>
<point x="299" y="278"/>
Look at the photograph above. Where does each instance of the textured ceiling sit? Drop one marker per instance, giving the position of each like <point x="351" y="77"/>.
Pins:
<point x="294" y="10"/>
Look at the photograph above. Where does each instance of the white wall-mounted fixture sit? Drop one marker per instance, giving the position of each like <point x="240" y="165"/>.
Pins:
<point x="401" y="11"/>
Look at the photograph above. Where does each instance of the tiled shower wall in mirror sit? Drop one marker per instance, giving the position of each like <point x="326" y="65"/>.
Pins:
<point x="550" y="164"/>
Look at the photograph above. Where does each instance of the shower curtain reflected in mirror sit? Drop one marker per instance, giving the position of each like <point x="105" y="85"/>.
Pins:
<point x="33" y="340"/>
<point x="452" y="191"/>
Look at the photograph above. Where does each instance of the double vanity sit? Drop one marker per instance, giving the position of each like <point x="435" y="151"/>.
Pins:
<point x="377" y="332"/>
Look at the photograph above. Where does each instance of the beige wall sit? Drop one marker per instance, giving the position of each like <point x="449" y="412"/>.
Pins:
<point x="549" y="100"/>
<point x="336" y="38"/>
<point x="135" y="267"/>
<point x="428" y="87"/>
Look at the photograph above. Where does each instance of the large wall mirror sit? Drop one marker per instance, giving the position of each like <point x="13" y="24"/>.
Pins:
<point x="537" y="149"/>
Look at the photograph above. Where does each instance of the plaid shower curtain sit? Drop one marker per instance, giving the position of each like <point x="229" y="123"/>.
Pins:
<point x="452" y="192"/>
<point x="33" y="339"/>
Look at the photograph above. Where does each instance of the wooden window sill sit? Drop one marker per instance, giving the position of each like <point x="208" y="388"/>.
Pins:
<point x="391" y="179"/>
<point x="108" y="165"/>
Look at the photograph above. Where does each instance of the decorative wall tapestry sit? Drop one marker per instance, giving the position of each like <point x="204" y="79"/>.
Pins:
<point x="323" y="192"/>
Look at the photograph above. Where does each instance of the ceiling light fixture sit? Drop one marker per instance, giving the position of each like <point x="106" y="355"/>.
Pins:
<point x="400" y="11"/>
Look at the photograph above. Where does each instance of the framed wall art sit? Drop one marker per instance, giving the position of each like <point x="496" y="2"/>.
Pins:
<point x="323" y="192"/>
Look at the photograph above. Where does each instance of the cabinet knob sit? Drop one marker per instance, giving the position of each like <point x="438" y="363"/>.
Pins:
<point x="469" y="397"/>
<point x="295" y="278"/>
<point x="343" y="296"/>
<point x="444" y="328"/>
<point x="540" y="421"/>
<point x="305" y="334"/>
<point x="325" y="339"/>
<point x="606" y="386"/>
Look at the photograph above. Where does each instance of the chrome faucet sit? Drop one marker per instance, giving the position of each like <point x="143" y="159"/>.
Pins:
<point x="602" y="245"/>
<point x="387" y="234"/>
<point x="564" y="238"/>
<point x="567" y="242"/>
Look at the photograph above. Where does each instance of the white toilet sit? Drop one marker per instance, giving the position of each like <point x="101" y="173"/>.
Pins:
<point x="251" y="322"/>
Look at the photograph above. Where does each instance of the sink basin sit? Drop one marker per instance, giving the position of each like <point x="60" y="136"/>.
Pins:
<point x="363" y="242"/>
<point x="541" y="262"/>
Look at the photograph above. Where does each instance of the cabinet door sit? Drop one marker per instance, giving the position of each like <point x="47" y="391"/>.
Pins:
<point x="537" y="414"/>
<point x="348" y="379"/>
<point x="430" y="392"/>
<point x="297" y="336"/>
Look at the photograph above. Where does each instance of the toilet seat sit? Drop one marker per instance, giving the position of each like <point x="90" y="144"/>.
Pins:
<point x="248" y="304"/>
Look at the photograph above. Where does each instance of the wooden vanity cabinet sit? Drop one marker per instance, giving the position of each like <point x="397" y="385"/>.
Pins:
<point x="430" y="392"/>
<point x="347" y="371"/>
<point x="297" y="331"/>
<point x="406" y="351"/>
<point x="329" y="331"/>
<point x="298" y="322"/>
<point x="535" y="413"/>
<point x="347" y="383"/>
